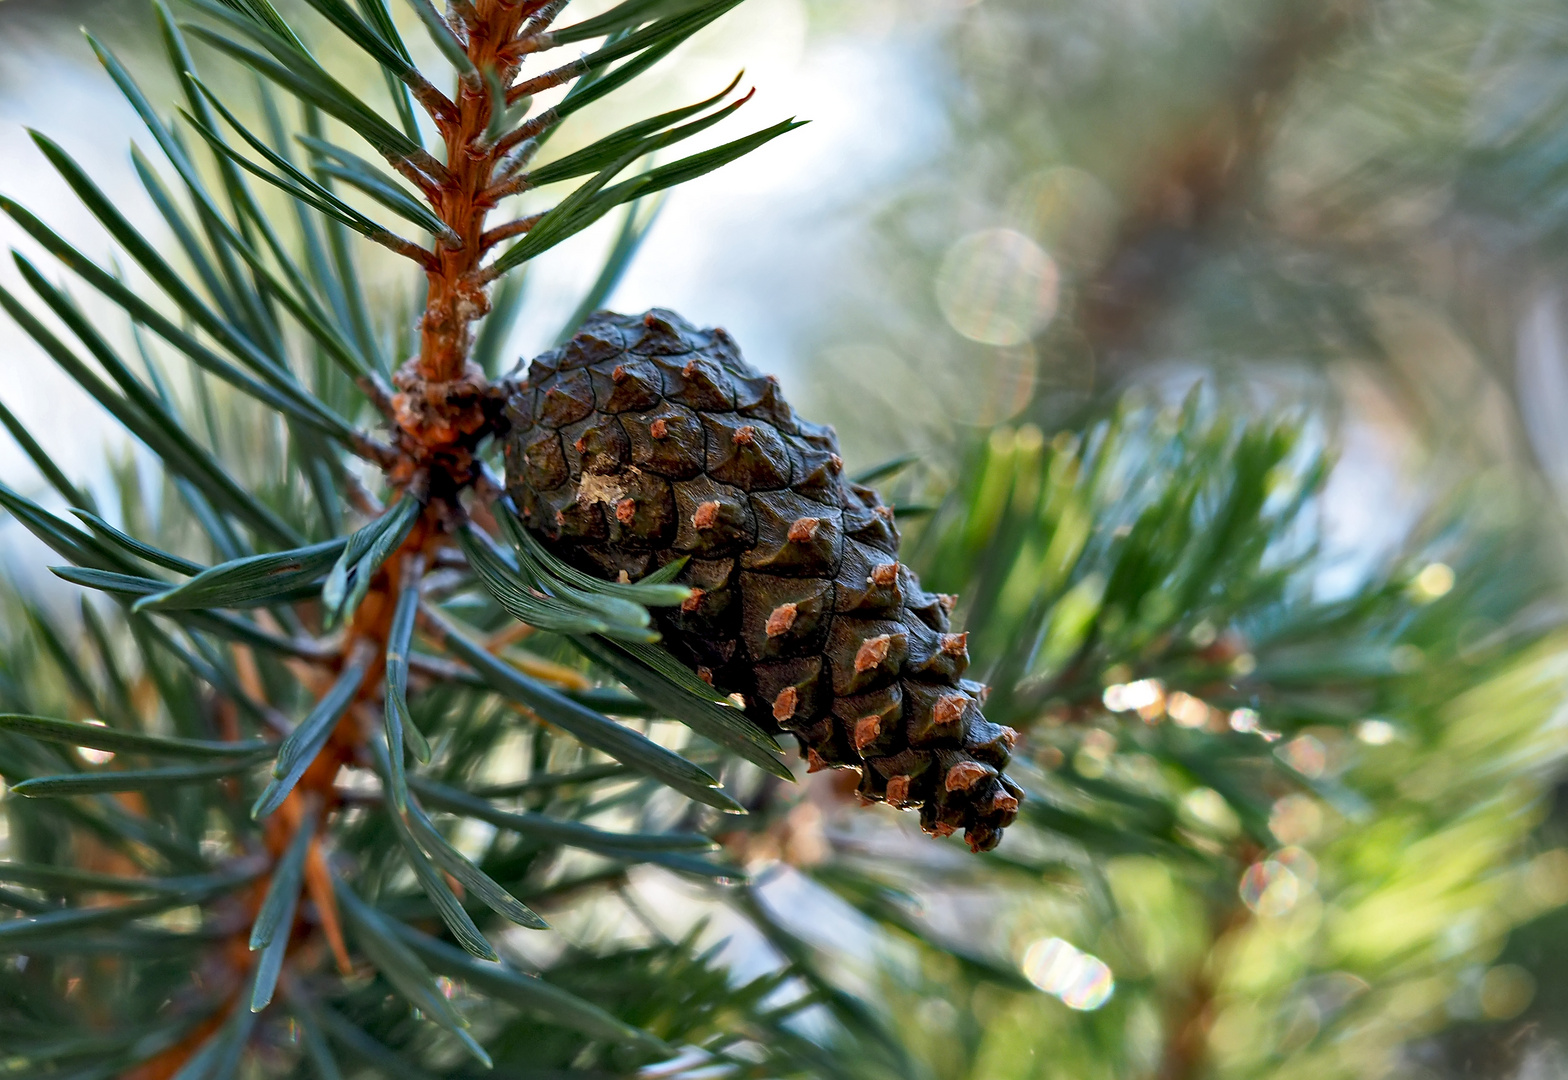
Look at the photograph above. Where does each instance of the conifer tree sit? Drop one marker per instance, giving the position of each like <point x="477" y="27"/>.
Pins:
<point x="403" y="670"/>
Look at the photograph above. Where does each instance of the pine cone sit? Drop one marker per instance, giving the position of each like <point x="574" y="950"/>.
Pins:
<point x="644" y="440"/>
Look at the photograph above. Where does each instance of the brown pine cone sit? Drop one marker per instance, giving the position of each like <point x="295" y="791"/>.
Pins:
<point x="644" y="440"/>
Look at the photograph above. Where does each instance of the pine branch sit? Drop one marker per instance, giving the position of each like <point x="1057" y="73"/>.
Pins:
<point x="228" y="682"/>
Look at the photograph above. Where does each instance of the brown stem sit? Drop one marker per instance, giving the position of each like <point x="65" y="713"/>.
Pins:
<point x="422" y="170"/>
<point x="536" y="43"/>
<point x="544" y="15"/>
<point x="430" y="99"/>
<point x="443" y="404"/>
<point x="1193" y="1010"/>
<point x="406" y="248"/>
<point x="494" y="236"/>
<point x="165" y="1065"/>
<point x="456" y="300"/>
<point x="530" y="130"/>
<point x="374" y="450"/>
<point x="548" y="81"/>
<point x="443" y="407"/>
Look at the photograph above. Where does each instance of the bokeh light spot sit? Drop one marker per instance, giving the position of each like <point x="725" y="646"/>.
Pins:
<point x="1296" y="819"/>
<point x="1375" y="732"/>
<point x="1306" y="754"/>
<point x="1546" y="878"/>
<point x="1435" y="580"/>
<point x="1090" y="763"/>
<point x="1506" y="991"/>
<point x="1299" y="862"/>
<point x="1208" y="808"/>
<point x="997" y="287"/>
<point x="91" y="756"/>
<point x="1058" y="967"/>
<point x="1069" y="210"/>
<point x="1145" y="694"/>
<point x="1407" y="658"/>
<point x="1187" y="711"/>
<point x="1244" y="720"/>
<point x="1269" y="888"/>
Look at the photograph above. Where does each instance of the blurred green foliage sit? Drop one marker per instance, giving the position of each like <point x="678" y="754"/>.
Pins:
<point x="1349" y="210"/>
